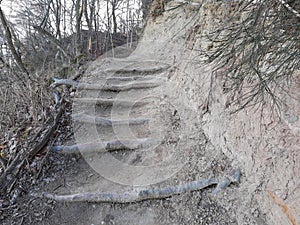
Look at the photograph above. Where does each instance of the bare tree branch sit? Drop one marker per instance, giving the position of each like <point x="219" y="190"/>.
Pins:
<point x="257" y="51"/>
<point x="53" y="40"/>
<point x="11" y="46"/>
<point x="283" y="2"/>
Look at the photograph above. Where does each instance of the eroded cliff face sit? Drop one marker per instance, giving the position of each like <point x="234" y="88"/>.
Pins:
<point x="267" y="147"/>
<point x="264" y="144"/>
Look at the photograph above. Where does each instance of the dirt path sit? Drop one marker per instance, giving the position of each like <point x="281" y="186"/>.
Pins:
<point x="154" y="141"/>
<point x="136" y="129"/>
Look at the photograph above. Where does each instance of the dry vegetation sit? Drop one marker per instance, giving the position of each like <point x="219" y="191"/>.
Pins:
<point x="40" y="40"/>
<point x="257" y="50"/>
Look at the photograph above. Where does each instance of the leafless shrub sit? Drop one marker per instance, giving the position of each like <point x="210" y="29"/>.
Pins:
<point x="40" y="39"/>
<point x="21" y="97"/>
<point x="258" y="50"/>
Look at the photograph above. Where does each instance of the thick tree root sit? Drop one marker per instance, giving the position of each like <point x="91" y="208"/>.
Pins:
<point x="105" y="101"/>
<point x="133" y="78"/>
<point x="134" y="71"/>
<point x="141" y="195"/>
<point x="105" y="146"/>
<point x="84" y="118"/>
<point x="135" y="84"/>
<point x="117" y="88"/>
<point x="58" y="82"/>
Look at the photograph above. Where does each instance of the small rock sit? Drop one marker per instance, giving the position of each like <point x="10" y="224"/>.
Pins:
<point x="36" y="214"/>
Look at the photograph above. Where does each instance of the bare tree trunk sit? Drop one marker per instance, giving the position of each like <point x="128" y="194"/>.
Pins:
<point x="92" y="7"/>
<point x="96" y="27"/>
<point x="46" y="16"/>
<point x="113" y="13"/>
<point x="89" y="22"/>
<point x="58" y="18"/>
<point x="79" y="12"/>
<point x="108" y="17"/>
<point x="145" y="8"/>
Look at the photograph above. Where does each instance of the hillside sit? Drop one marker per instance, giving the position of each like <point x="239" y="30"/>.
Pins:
<point x="149" y="122"/>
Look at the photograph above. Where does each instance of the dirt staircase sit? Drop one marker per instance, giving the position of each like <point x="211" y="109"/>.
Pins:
<point x="135" y="130"/>
<point x="128" y="112"/>
<point x="138" y="133"/>
<point x="133" y="124"/>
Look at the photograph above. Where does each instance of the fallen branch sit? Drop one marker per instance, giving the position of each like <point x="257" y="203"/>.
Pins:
<point x="141" y="195"/>
<point x="289" y="8"/>
<point x="10" y="174"/>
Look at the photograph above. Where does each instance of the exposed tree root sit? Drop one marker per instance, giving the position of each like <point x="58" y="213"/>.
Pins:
<point x="105" y="146"/>
<point x="134" y="71"/>
<point x="58" y="82"/>
<point x="133" y="78"/>
<point x="117" y="88"/>
<point x="106" y="87"/>
<point x="137" y="195"/>
<point x="107" y="122"/>
<point x="105" y="101"/>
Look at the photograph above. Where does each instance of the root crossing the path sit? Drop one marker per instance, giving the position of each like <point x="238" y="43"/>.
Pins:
<point x="136" y="195"/>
